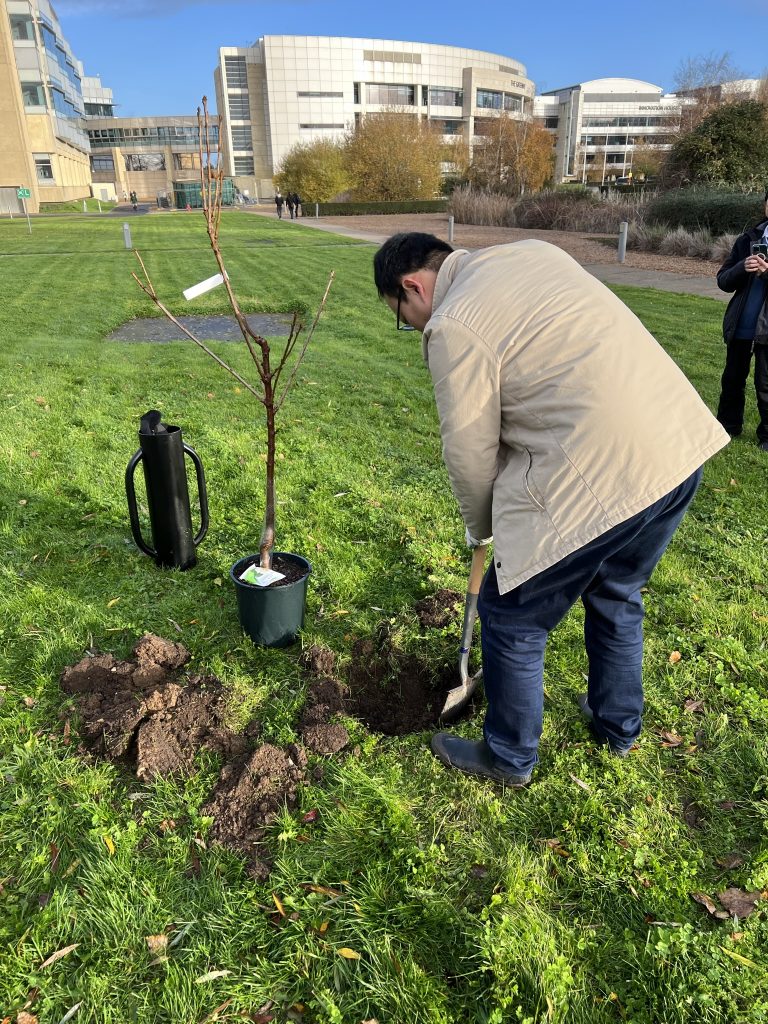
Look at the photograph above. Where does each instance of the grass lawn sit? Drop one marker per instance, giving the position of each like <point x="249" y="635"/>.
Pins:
<point x="570" y="901"/>
<point x="92" y="205"/>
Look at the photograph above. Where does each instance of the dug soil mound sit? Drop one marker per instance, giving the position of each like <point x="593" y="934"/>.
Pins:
<point x="142" y="714"/>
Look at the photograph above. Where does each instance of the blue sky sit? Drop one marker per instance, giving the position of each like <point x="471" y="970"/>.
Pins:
<point x="158" y="56"/>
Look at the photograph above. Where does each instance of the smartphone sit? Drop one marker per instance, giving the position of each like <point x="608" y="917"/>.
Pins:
<point x="760" y="249"/>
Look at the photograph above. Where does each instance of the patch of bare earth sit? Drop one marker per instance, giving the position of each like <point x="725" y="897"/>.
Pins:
<point x="142" y="714"/>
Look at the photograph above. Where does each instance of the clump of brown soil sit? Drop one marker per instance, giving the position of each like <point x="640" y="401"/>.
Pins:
<point x="248" y="797"/>
<point x="437" y="610"/>
<point x="136" y="713"/>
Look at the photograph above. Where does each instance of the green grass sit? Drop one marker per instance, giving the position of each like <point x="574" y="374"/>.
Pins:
<point x="459" y="907"/>
<point x="76" y="206"/>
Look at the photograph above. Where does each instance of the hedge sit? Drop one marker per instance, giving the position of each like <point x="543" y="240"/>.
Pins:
<point x="348" y="209"/>
<point x="719" y="212"/>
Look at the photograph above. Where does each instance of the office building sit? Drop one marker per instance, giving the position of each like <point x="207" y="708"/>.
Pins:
<point x="146" y="155"/>
<point x="285" y="90"/>
<point x="44" y="146"/>
<point x="597" y="125"/>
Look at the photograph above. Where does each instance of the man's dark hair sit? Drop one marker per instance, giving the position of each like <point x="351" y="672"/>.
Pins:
<point x="404" y="253"/>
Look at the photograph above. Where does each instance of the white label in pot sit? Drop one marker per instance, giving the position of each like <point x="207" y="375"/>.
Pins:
<point x="260" y="577"/>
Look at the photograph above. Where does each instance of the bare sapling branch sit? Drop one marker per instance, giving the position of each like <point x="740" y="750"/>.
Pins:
<point x="212" y="196"/>
<point x="307" y="340"/>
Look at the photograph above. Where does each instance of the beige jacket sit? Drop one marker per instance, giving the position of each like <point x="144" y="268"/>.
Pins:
<point x="560" y="415"/>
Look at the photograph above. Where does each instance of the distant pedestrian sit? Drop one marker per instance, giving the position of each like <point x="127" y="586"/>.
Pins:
<point x="134" y="201"/>
<point x="297" y="203"/>
<point x="279" y="200"/>
<point x="289" y="204"/>
<point x="125" y="195"/>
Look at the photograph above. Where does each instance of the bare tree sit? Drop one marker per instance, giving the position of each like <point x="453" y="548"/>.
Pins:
<point x="269" y="391"/>
<point x="701" y="81"/>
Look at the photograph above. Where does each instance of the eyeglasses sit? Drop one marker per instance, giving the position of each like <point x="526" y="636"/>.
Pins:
<point x="401" y="324"/>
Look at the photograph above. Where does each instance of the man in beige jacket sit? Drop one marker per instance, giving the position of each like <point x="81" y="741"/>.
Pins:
<point x="574" y="442"/>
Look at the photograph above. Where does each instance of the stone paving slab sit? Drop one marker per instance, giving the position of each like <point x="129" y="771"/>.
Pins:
<point x="206" y="328"/>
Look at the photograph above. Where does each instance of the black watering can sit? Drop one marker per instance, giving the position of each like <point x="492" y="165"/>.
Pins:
<point x="162" y="452"/>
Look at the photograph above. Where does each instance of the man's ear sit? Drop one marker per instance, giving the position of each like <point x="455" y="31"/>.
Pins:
<point x="413" y="283"/>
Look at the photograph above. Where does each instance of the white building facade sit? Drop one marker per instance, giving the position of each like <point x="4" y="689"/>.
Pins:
<point x="598" y="124"/>
<point x="285" y="90"/>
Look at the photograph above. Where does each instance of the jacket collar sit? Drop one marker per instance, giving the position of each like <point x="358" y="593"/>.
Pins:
<point x="446" y="275"/>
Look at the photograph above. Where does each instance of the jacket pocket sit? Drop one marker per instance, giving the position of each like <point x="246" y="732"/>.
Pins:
<point x="514" y="488"/>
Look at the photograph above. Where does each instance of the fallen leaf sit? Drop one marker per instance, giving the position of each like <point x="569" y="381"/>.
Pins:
<point x="670" y="739"/>
<point x="310" y="816"/>
<point x="726" y="805"/>
<point x="692" y="814"/>
<point x="738" y="957"/>
<point x="211" y="976"/>
<point x="219" y="582"/>
<point x="691" y="705"/>
<point x="107" y="840"/>
<point x="739" y="903"/>
<point x="279" y="905"/>
<point x="323" y="889"/>
<point x="579" y="783"/>
<point x="737" y="936"/>
<point x="215" y="1013"/>
<point x="30" y="702"/>
<point x="26" y="1018"/>
<point x="705" y="901"/>
<point x="674" y="657"/>
<point x="113" y="602"/>
<point x="40" y="400"/>
<point x="156" y="943"/>
<point x="55" y="853"/>
<point x="323" y="928"/>
<point x="730" y="861"/>
<point x="348" y="954"/>
<point x="58" y="955"/>
<point x="43" y="899"/>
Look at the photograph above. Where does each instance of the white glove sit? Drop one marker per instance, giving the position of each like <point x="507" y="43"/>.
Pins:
<point x="473" y="543"/>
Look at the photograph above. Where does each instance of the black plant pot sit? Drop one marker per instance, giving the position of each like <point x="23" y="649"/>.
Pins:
<point x="271" y="616"/>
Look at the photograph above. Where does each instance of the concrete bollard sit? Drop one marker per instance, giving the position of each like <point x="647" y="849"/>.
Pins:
<point x="450" y="229"/>
<point x="623" y="227"/>
<point x="317" y="210"/>
<point x="127" y="236"/>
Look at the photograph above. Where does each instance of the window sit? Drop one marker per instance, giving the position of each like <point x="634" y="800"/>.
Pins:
<point x="512" y="102"/>
<point x="391" y="95"/>
<point x="242" y="138"/>
<point x="99" y="110"/>
<point x="102" y="163"/>
<point x="22" y="27"/>
<point x="236" y="73"/>
<point x="489" y="98"/>
<point x="44" y="168"/>
<point x="318" y="125"/>
<point x="356" y="92"/>
<point x="144" y="162"/>
<point x="324" y="95"/>
<point x="239" y="107"/>
<point x="551" y="122"/>
<point x="186" y="161"/>
<point x="444" y="97"/>
<point x="33" y="94"/>
<point x="390" y="57"/>
<point x="449" y="126"/>
<point x="243" y="165"/>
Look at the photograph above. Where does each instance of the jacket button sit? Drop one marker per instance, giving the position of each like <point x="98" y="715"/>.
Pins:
<point x="498" y="565"/>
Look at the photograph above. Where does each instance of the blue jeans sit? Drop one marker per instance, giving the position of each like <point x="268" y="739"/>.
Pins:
<point x="607" y="575"/>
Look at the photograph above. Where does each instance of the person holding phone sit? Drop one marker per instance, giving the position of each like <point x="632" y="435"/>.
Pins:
<point x="745" y="329"/>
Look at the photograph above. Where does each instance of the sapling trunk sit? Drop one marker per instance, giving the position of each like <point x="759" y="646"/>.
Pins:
<point x="212" y="187"/>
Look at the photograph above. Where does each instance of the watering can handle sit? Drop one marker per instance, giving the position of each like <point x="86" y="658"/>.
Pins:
<point x="133" y="511"/>
<point x="202" y="493"/>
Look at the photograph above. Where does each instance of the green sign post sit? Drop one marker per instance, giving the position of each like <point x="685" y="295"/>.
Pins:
<point x="24" y="194"/>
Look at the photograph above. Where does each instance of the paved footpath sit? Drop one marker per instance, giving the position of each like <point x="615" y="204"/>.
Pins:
<point x="610" y="273"/>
